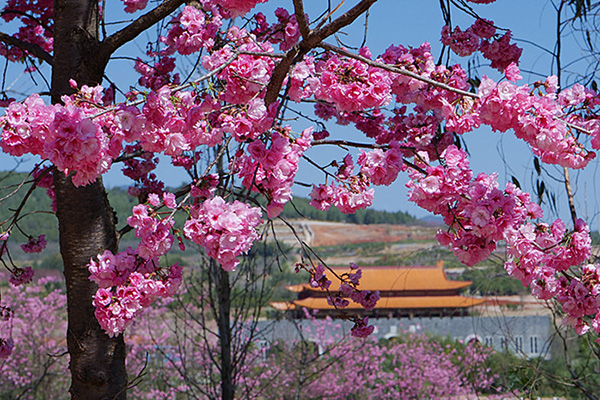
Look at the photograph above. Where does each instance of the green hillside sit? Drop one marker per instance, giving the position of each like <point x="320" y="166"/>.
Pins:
<point x="37" y="217"/>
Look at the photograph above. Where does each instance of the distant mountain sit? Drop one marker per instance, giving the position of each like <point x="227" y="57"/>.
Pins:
<point x="432" y="220"/>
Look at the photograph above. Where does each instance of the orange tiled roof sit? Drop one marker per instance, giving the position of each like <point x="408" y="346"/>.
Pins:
<point x="408" y="302"/>
<point x="393" y="279"/>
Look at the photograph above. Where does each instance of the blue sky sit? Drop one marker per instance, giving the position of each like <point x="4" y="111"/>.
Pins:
<point x="403" y="22"/>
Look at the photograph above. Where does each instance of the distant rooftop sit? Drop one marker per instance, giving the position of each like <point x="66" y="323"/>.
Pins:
<point x="404" y="290"/>
<point x="393" y="279"/>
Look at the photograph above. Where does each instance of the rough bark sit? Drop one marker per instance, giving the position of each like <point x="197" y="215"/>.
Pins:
<point x="223" y="291"/>
<point x="87" y="228"/>
<point x="86" y="220"/>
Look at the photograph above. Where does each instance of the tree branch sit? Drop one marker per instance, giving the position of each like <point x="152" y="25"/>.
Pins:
<point x="345" y="19"/>
<point x="24" y="14"/>
<point x="301" y="18"/>
<point x="308" y="43"/>
<point x="570" y="196"/>
<point x="347" y="143"/>
<point x="31" y="48"/>
<point x="131" y="31"/>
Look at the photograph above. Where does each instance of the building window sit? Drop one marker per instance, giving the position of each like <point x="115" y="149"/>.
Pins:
<point x="489" y="341"/>
<point x="533" y="345"/>
<point x="518" y="344"/>
<point x="503" y="343"/>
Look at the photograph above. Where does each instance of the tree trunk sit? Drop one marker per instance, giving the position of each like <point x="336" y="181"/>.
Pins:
<point x="223" y="290"/>
<point x="86" y="228"/>
<point x="86" y="220"/>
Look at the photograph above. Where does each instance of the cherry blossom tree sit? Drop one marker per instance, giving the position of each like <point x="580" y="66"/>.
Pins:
<point x="225" y="125"/>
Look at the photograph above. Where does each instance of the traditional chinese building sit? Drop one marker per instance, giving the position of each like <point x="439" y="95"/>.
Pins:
<point x="404" y="292"/>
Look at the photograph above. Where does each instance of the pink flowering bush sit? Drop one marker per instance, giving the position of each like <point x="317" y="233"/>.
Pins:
<point x="411" y="367"/>
<point x="33" y="360"/>
<point x="325" y="362"/>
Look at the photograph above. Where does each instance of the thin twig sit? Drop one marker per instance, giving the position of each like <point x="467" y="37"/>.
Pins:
<point x="31" y="48"/>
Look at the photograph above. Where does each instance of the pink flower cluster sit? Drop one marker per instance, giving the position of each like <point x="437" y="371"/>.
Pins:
<point x="155" y="235"/>
<point x="247" y="76"/>
<point x="35" y="245"/>
<point x="353" y="192"/>
<point x="156" y="76"/>
<point x="420" y="61"/>
<point x="131" y="280"/>
<point x="580" y="299"/>
<point x="114" y="269"/>
<point x="478" y="37"/>
<point x="302" y="80"/>
<point x="535" y="119"/>
<point x="172" y="123"/>
<point x="246" y="122"/>
<point x="62" y="134"/>
<point x="6" y="347"/>
<point x="192" y="31"/>
<point x="462" y="43"/>
<point x="127" y="284"/>
<point x="132" y="6"/>
<point x="347" y="199"/>
<point x="537" y="252"/>
<point x="430" y="105"/>
<point x="365" y="298"/>
<point x="349" y="283"/>
<point x="467" y="42"/>
<point x="350" y="289"/>
<point x="25" y="126"/>
<point x="75" y="143"/>
<point x="475" y="210"/>
<point x="21" y="276"/>
<point x="271" y="171"/>
<point x="237" y="8"/>
<point x="285" y="31"/>
<point x="225" y="230"/>
<point x="578" y="95"/>
<point x="539" y="256"/>
<point x="352" y="85"/>
<point x="318" y="278"/>
<point x="501" y="52"/>
<point x="362" y="329"/>
<point x="381" y="167"/>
